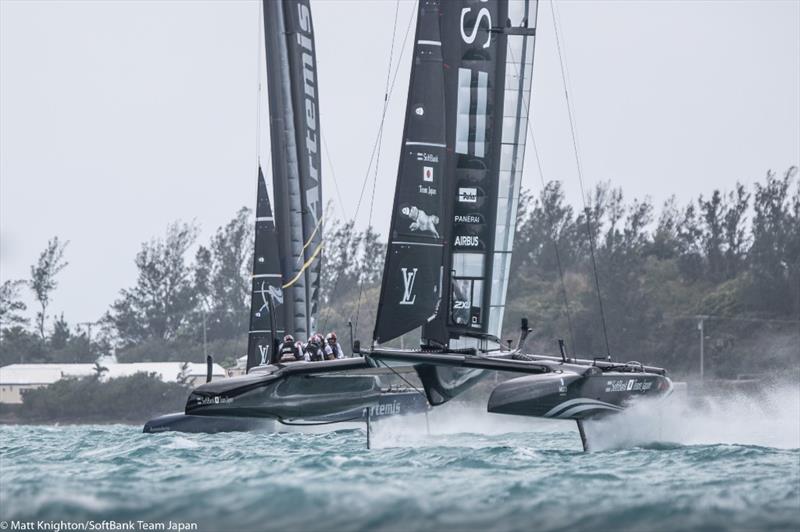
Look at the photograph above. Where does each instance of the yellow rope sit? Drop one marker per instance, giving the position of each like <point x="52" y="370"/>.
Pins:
<point x="305" y="266"/>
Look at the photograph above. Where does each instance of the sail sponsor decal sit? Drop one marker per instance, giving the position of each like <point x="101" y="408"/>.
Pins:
<point x="468" y="219"/>
<point x="427" y="157"/>
<point x="264" y="352"/>
<point x="467" y="195"/>
<point x="474" y="20"/>
<point x="628" y="385"/>
<point x="308" y="113"/>
<point x="420" y="220"/>
<point x="385" y="409"/>
<point x="409" y="274"/>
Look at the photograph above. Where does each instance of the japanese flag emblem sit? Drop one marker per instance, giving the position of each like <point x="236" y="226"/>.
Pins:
<point x="427" y="173"/>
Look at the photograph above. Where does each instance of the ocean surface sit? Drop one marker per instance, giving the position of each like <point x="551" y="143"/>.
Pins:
<point x="731" y="464"/>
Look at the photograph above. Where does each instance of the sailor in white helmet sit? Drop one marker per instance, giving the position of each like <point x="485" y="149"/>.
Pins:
<point x="332" y="348"/>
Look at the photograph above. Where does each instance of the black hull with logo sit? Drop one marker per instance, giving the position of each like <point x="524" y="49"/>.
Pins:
<point x="574" y="396"/>
<point x="296" y="393"/>
<point x="553" y="387"/>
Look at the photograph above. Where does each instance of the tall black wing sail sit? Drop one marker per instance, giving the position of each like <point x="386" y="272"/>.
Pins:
<point x="266" y="303"/>
<point x="488" y="47"/>
<point x="294" y="130"/>
<point x="412" y="276"/>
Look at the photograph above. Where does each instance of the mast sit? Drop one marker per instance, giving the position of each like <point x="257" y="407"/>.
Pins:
<point x="266" y="312"/>
<point x="294" y="131"/>
<point x="486" y="51"/>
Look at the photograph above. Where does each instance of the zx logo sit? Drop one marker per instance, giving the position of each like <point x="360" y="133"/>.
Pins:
<point x="408" y="289"/>
<point x="264" y="350"/>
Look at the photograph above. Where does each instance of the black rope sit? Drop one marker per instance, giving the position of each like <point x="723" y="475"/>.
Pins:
<point x="372" y="155"/>
<point x="378" y="157"/>
<point x="553" y="237"/>
<point x="590" y="233"/>
<point x="402" y="378"/>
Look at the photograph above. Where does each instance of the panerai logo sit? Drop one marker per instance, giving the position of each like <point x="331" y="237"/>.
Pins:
<point x="467" y="195"/>
<point x="408" y="286"/>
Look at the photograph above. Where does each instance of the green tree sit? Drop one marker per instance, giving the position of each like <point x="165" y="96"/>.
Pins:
<point x="162" y="301"/>
<point x="43" y="278"/>
<point x="228" y="277"/>
<point x="11" y="305"/>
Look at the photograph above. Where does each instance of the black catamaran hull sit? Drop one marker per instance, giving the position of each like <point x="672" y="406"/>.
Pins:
<point x="389" y="404"/>
<point x="572" y="396"/>
<point x="295" y="393"/>
<point x="552" y="387"/>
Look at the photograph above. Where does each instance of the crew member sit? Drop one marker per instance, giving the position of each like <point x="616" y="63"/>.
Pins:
<point x="289" y="351"/>
<point x="332" y="348"/>
<point x="313" y="349"/>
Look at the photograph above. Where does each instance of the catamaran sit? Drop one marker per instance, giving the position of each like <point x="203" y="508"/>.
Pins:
<point x="453" y="221"/>
<point x="286" y="271"/>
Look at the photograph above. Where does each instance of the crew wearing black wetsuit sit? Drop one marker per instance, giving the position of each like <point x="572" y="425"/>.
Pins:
<point x="288" y="351"/>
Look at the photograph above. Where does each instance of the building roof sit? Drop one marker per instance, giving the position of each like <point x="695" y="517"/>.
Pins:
<point x="50" y="373"/>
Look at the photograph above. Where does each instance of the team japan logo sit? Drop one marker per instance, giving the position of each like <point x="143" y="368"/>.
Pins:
<point x="427" y="173"/>
<point x="408" y="286"/>
<point x="467" y="195"/>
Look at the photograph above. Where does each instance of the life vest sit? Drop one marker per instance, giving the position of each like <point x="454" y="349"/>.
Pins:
<point x="289" y="352"/>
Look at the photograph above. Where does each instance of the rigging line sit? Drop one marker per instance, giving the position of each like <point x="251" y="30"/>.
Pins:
<point x="258" y="83"/>
<point x="374" y="147"/>
<point x="311" y="237"/>
<point x="586" y="210"/>
<point x="333" y="174"/>
<point x="402" y="378"/>
<point x="733" y="318"/>
<point x="378" y="152"/>
<point x="304" y="268"/>
<point x="541" y="179"/>
<point x="387" y="99"/>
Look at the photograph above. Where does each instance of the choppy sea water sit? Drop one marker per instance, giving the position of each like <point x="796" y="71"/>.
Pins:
<point x="732" y="464"/>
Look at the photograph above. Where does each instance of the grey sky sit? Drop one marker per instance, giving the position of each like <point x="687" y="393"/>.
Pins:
<point x="119" y="117"/>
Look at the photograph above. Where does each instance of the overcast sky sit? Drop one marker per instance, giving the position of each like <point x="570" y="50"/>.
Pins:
<point x="119" y="117"/>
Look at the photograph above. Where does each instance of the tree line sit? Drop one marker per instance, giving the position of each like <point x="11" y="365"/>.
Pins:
<point x="732" y="255"/>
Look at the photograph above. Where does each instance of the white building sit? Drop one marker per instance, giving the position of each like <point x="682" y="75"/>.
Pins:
<point x="18" y="377"/>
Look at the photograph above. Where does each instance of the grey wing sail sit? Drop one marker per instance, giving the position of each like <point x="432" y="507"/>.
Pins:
<point x="482" y="63"/>
<point x="294" y="132"/>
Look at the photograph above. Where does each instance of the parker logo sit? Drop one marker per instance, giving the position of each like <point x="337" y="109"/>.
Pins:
<point x="408" y="286"/>
<point x="467" y="195"/>
<point x="427" y="173"/>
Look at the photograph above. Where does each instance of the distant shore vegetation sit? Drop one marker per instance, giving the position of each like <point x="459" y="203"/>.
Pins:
<point x="132" y="399"/>
<point x="732" y="255"/>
